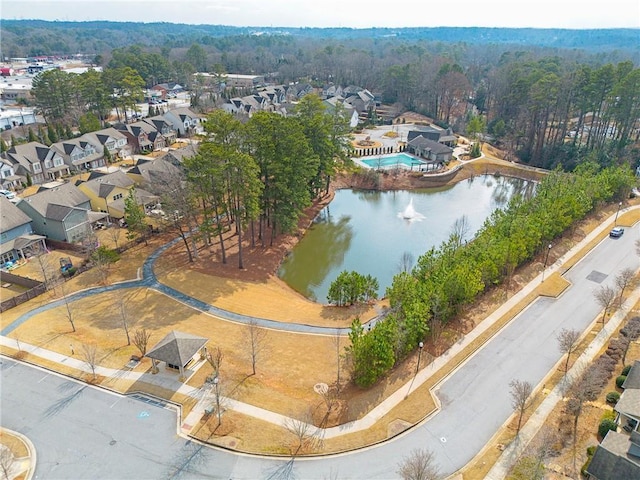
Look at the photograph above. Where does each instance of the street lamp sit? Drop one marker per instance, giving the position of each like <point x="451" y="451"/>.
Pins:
<point x="546" y="258"/>
<point x="215" y="383"/>
<point x="615" y="222"/>
<point x="420" y="346"/>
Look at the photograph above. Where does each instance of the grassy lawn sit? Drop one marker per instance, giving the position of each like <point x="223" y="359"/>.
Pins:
<point x="290" y="364"/>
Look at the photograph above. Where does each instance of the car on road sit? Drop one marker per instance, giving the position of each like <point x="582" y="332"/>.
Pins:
<point x="616" y="232"/>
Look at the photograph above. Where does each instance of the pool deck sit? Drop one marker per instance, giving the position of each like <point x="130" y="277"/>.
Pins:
<point x="415" y="162"/>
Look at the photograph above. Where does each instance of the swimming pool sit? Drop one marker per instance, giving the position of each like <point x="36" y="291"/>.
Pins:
<point x="402" y="160"/>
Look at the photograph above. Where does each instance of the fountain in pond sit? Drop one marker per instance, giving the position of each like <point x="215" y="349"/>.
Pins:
<point x="410" y="213"/>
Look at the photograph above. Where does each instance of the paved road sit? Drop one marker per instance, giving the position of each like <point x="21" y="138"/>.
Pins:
<point x="73" y="426"/>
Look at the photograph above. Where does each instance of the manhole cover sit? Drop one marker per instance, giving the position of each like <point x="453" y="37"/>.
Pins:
<point x="321" y="388"/>
<point x="596" y="276"/>
<point x="112" y="442"/>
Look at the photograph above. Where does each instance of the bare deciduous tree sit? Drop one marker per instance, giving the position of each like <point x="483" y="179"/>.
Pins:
<point x="520" y="398"/>
<point x="122" y="307"/>
<point x="406" y="262"/>
<point x="336" y="343"/>
<point x="141" y="340"/>
<point x="568" y="343"/>
<point x="605" y="296"/>
<point x="630" y="332"/>
<point x="306" y="434"/>
<point x="48" y="270"/>
<point x="584" y="387"/>
<point x="67" y="304"/>
<point x="214" y="357"/>
<point x="7" y="462"/>
<point x="460" y="231"/>
<point x="623" y="280"/>
<point x="420" y="464"/>
<point x="115" y="233"/>
<point x="90" y="357"/>
<point x="256" y="342"/>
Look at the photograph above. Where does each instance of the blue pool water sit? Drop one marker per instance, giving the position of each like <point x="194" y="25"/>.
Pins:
<point x="401" y="159"/>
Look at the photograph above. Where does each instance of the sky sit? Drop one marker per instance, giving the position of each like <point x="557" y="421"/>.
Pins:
<point x="340" y="13"/>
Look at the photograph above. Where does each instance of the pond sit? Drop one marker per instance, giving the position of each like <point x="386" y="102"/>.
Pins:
<point x="376" y="233"/>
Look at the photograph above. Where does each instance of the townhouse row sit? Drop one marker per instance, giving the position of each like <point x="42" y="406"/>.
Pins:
<point x="37" y="163"/>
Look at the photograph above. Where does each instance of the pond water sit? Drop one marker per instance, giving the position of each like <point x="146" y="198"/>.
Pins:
<point x="372" y="232"/>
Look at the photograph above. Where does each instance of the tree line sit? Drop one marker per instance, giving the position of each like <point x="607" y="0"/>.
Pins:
<point x="448" y="278"/>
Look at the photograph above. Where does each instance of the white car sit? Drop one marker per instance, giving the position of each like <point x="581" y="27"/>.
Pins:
<point x="9" y="195"/>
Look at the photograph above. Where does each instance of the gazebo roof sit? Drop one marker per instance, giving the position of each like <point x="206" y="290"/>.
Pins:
<point x="177" y="348"/>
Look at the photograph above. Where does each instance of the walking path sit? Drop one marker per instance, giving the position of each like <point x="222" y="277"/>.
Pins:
<point x="206" y="396"/>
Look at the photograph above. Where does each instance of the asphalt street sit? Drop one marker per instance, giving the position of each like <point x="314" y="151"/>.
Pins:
<point x="84" y="432"/>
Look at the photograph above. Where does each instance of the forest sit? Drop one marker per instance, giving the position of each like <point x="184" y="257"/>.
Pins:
<point x="545" y="106"/>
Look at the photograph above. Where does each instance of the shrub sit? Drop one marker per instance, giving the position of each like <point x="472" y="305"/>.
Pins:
<point x="605" y="426"/>
<point x="613" y="397"/>
<point x="69" y="272"/>
<point x="591" y="450"/>
<point x="625" y="370"/>
<point x="620" y="380"/>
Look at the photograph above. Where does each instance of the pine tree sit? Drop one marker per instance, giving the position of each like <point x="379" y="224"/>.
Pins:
<point x="51" y="133"/>
<point x="107" y="155"/>
<point x="3" y="146"/>
<point x="13" y="141"/>
<point x="32" y="136"/>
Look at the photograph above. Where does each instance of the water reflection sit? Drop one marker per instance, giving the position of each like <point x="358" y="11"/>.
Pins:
<point x="362" y="231"/>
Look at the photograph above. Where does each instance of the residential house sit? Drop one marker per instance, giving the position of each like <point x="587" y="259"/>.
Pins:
<point x="177" y="156"/>
<point x="616" y="458"/>
<point x="618" y="455"/>
<point x="37" y="161"/>
<point x="107" y="193"/>
<point x="10" y="118"/>
<point x="360" y="98"/>
<point x="183" y="120"/>
<point x="8" y="178"/>
<point x="331" y="91"/>
<point x="17" y="239"/>
<point x="446" y="137"/>
<point x="80" y="154"/>
<point x="164" y="127"/>
<point x="628" y="406"/>
<point x="234" y="80"/>
<point x="115" y="141"/>
<point x="430" y="150"/>
<point x="348" y="111"/>
<point x="153" y="171"/>
<point x="168" y="90"/>
<point x="142" y="136"/>
<point x="60" y="213"/>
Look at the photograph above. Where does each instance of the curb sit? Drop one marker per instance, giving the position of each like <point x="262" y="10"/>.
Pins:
<point x="32" y="456"/>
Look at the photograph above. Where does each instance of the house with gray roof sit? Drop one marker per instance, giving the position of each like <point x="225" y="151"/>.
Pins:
<point x="183" y="120"/>
<point x="107" y="193"/>
<point x="618" y="455"/>
<point x="164" y="127"/>
<point x="430" y="150"/>
<point x="616" y="458"/>
<point x="8" y="178"/>
<point x="115" y="142"/>
<point x="61" y="213"/>
<point x="80" y="154"/>
<point x="17" y="239"/>
<point x="153" y="171"/>
<point x="142" y="136"/>
<point x="435" y="134"/>
<point x="37" y="161"/>
<point x="177" y="156"/>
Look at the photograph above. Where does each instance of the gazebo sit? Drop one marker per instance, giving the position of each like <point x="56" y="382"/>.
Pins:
<point x="177" y="349"/>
